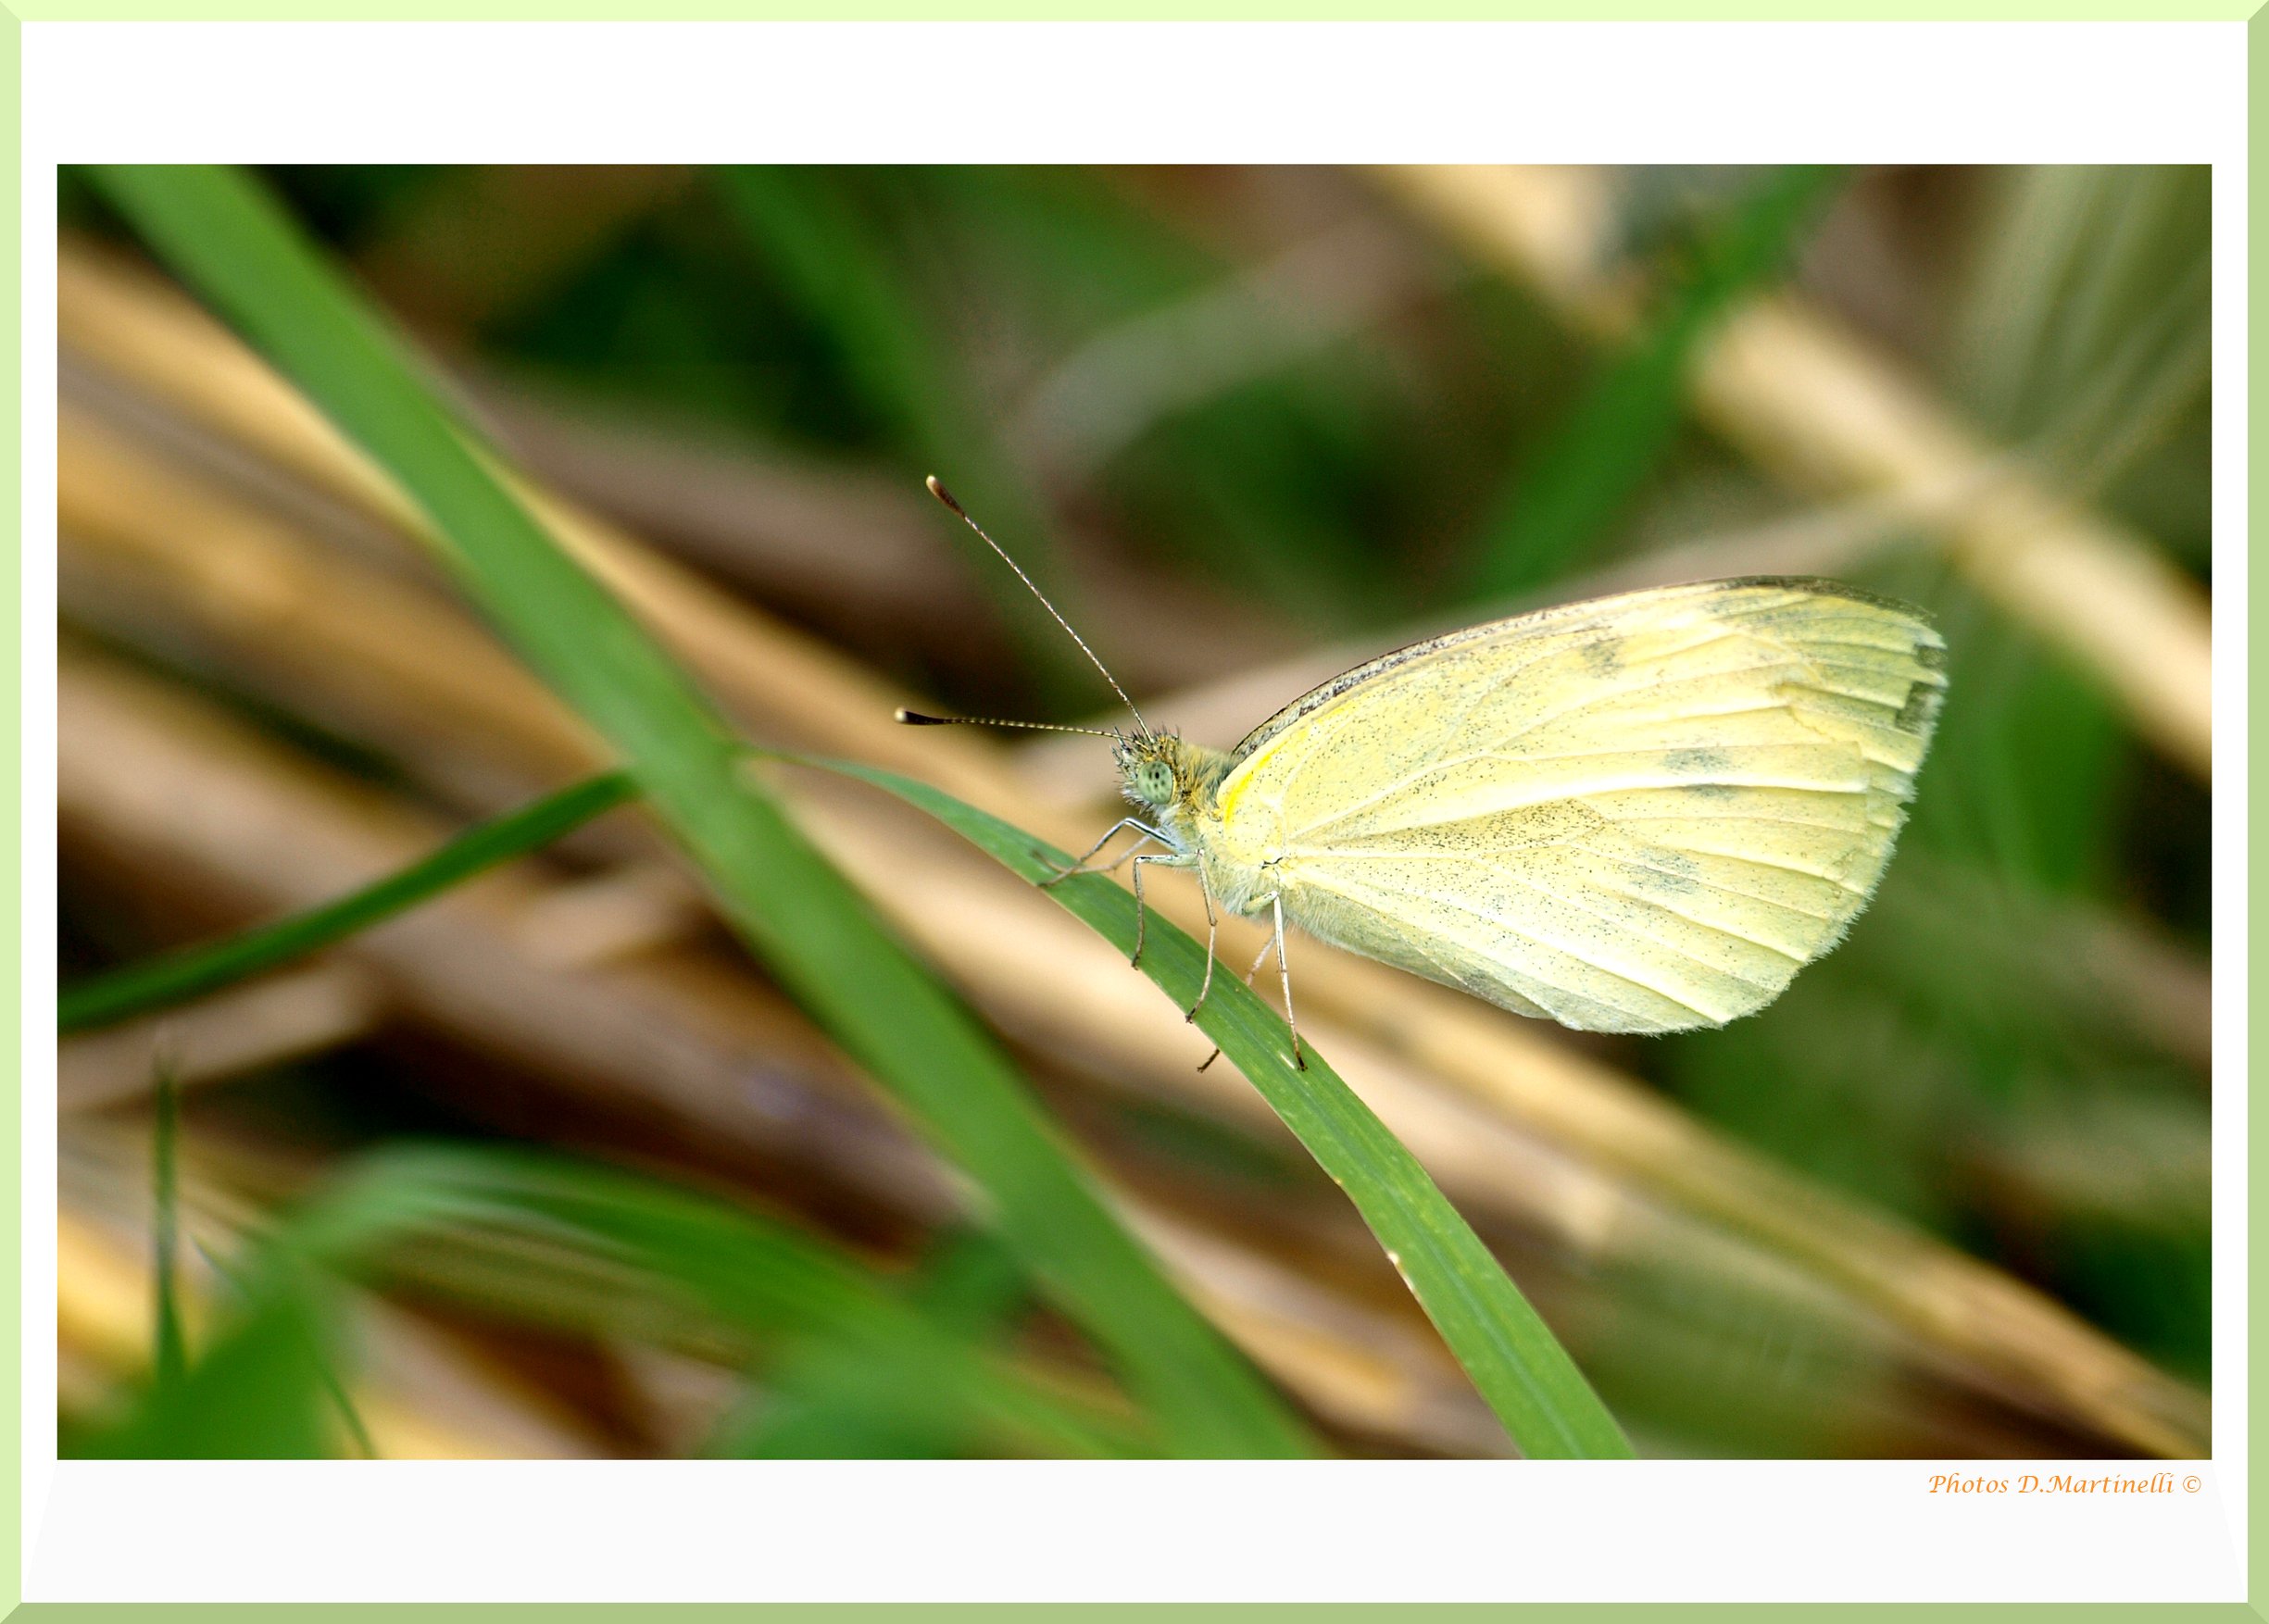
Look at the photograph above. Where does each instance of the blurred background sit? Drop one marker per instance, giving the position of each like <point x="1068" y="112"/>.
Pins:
<point x="592" y="1186"/>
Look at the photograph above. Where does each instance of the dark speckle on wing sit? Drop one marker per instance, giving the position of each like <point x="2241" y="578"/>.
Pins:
<point x="1695" y="762"/>
<point x="1661" y="882"/>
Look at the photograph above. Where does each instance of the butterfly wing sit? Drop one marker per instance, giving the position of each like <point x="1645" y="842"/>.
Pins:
<point x="1643" y="813"/>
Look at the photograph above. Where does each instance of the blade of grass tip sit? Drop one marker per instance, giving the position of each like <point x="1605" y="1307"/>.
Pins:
<point x="191" y="973"/>
<point x="169" y="1360"/>
<point x="1568" y="491"/>
<point x="1527" y="1377"/>
<point x="229" y="238"/>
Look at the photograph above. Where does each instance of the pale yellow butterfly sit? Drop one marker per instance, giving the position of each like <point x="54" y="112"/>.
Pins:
<point x="1639" y="814"/>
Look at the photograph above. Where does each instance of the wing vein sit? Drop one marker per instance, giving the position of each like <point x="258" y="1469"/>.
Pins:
<point x="1835" y="879"/>
<point x="1829" y="918"/>
<point x="1569" y="948"/>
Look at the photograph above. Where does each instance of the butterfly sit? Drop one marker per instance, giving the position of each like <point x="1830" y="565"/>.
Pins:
<point x="1637" y="814"/>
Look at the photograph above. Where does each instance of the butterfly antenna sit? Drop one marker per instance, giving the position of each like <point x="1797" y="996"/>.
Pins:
<point x="915" y="719"/>
<point x="939" y="491"/>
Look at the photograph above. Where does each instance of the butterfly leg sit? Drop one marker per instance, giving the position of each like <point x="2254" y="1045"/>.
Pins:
<point x="1266" y="948"/>
<point x="1079" y="864"/>
<point x="1142" y="913"/>
<point x="1284" y="971"/>
<point x="1213" y="932"/>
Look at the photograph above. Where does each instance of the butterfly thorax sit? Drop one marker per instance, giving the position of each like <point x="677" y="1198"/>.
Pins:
<point x="1177" y="785"/>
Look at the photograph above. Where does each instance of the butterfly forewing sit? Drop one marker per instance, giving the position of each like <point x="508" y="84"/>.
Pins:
<point x="1639" y="814"/>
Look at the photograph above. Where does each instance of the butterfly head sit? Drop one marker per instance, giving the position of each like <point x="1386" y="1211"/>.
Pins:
<point x="1147" y="769"/>
<point x="1160" y="771"/>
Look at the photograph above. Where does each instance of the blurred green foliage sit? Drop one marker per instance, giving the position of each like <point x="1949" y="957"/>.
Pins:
<point x="1571" y="485"/>
<point x="550" y="1241"/>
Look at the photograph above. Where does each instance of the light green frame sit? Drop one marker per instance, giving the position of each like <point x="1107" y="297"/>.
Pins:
<point x="11" y="893"/>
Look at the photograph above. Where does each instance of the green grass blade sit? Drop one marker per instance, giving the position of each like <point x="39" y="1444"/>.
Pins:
<point x="828" y="1400"/>
<point x="170" y="1357"/>
<point x="746" y="1272"/>
<point x="1526" y="1377"/>
<point x="326" y="1372"/>
<point x="256" y="1393"/>
<point x="1573" y="486"/>
<point x="193" y="973"/>
<point x="227" y="238"/>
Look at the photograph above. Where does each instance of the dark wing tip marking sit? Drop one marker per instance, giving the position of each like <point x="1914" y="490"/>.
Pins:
<point x="1826" y="587"/>
<point x="1921" y="711"/>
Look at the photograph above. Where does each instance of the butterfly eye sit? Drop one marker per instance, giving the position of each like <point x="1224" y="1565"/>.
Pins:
<point x="1154" y="781"/>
